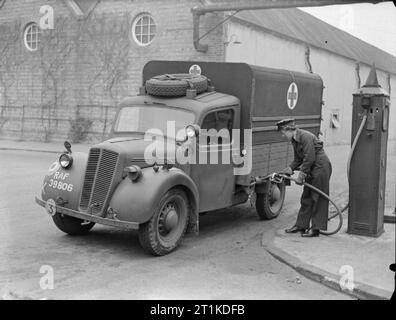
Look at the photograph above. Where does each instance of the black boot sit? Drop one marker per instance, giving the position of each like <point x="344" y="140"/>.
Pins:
<point x="294" y="229"/>
<point x="311" y="233"/>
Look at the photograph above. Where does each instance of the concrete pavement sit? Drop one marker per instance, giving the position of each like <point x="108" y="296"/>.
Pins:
<point x="360" y="263"/>
<point x="352" y="264"/>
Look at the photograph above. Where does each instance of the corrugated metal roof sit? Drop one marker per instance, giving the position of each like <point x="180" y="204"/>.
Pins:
<point x="299" y="25"/>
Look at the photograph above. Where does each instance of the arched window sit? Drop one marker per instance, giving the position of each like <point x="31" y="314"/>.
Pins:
<point x="144" y="29"/>
<point x="31" y="36"/>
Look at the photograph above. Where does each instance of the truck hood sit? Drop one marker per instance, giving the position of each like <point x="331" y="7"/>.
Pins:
<point x="132" y="149"/>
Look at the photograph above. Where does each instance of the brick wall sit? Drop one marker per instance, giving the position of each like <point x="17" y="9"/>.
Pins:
<point x="84" y="67"/>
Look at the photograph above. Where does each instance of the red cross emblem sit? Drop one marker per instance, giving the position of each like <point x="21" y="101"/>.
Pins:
<point x="195" y="70"/>
<point x="292" y="96"/>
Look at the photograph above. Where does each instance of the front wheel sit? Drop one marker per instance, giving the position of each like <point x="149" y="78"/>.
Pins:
<point x="72" y="226"/>
<point x="269" y="204"/>
<point x="165" y="230"/>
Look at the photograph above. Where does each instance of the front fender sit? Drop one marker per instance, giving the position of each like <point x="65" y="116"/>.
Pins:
<point x="136" y="201"/>
<point x="65" y="183"/>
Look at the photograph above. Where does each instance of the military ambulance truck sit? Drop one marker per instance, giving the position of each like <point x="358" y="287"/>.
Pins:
<point x="115" y="184"/>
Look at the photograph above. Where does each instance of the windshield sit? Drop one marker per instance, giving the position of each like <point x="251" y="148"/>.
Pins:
<point x="148" y="117"/>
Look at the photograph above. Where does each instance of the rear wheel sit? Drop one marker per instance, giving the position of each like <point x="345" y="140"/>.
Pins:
<point x="166" y="228"/>
<point x="269" y="204"/>
<point x="71" y="225"/>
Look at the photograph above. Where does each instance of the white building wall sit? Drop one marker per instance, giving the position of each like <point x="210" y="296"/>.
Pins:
<point x="340" y="83"/>
<point x="262" y="49"/>
<point x="338" y="73"/>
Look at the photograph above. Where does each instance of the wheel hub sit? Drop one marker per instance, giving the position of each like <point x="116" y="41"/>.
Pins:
<point x="169" y="219"/>
<point x="275" y="194"/>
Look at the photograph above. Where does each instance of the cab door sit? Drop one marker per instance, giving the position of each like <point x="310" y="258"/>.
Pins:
<point x="214" y="171"/>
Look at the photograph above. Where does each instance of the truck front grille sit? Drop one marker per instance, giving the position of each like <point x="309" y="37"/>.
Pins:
<point x="98" y="181"/>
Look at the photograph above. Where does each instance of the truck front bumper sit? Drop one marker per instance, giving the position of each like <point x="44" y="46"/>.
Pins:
<point x="90" y="217"/>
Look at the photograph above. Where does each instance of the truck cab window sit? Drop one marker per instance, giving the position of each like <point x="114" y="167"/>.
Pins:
<point x="216" y="121"/>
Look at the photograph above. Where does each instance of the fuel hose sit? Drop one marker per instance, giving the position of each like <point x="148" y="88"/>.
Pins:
<point x="324" y="195"/>
<point x="275" y="176"/>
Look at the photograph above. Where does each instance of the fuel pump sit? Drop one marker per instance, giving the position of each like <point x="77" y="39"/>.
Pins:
<point x="367" y="172"/>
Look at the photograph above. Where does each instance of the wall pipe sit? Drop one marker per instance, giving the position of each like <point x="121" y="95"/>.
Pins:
<point x="199" y="11"/>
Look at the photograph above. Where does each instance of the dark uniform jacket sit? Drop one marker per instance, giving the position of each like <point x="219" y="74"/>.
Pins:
<point x="306" y="147"/>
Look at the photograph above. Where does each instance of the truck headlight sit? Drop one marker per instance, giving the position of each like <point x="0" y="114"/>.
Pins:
<point x="65" y="160"/>
<point x="134" y="172"/>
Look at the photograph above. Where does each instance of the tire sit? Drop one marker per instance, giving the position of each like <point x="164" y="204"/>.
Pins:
<point x="71" y="225"/>
<point x="165" y="230"/>
<point x="269" y="205"/>
<point x="175" y="85"/>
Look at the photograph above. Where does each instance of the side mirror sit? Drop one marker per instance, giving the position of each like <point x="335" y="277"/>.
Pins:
<point x="181" y="136"/>
<point x="68" y="146"/>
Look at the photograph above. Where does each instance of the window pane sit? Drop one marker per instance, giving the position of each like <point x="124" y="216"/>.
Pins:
<point x="144" y="30"/>
<point x="32" y="36"/>
<point x="218" y="121"/>
<point x="138" y="30"/>
<point x="144" y="118"/>
<point x="209" y="121"/>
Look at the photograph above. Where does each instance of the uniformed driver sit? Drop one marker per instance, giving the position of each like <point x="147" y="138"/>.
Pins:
<point x="315" y="168"/>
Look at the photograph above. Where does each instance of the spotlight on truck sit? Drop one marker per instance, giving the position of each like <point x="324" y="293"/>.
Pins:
<point x="134" y="172"/>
